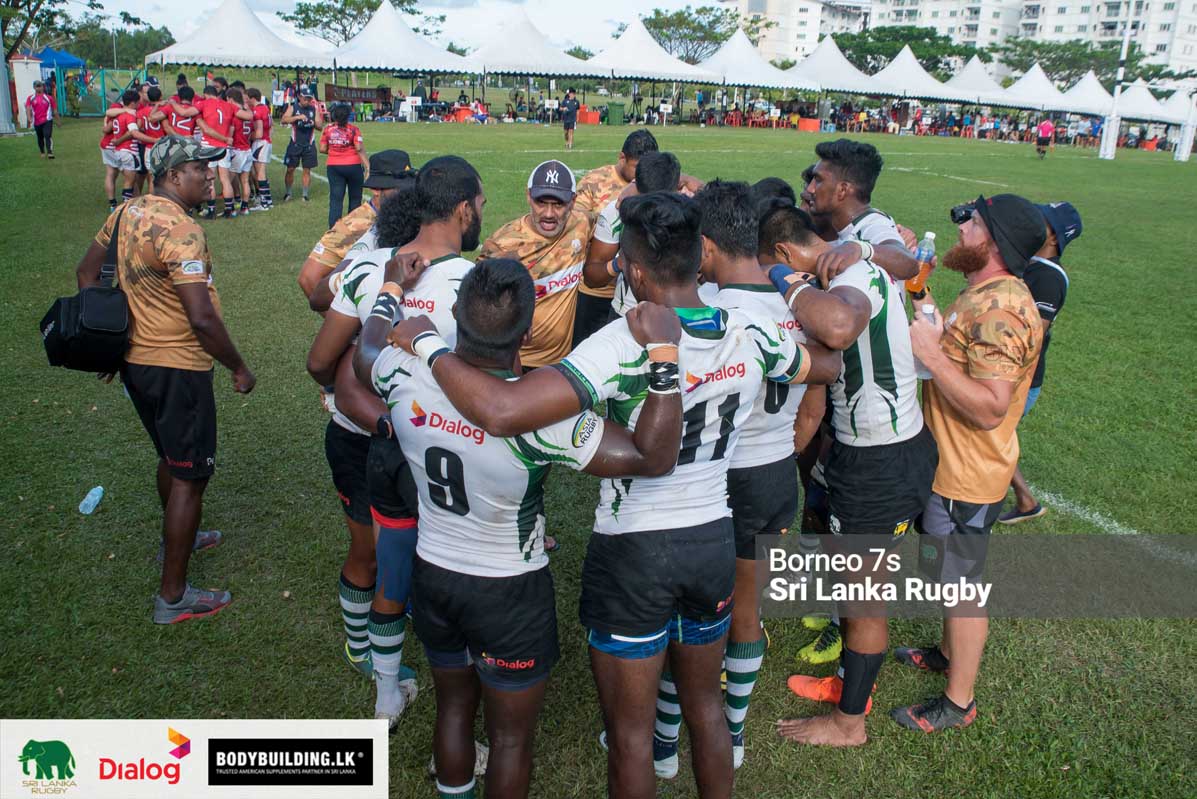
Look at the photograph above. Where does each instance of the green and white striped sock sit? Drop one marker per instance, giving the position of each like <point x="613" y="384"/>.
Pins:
<point x="458" y="792"/>
<point x="386" y="648"/>
<point x="742" y="661"/>
<point x="355" y="610"/>
<point x="669" y="712"/>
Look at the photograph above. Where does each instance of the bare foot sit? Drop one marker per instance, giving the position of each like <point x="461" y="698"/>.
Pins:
<point x="834" y="729"/>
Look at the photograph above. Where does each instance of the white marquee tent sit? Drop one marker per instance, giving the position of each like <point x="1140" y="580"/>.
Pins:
<point x="974" y="81"/>
<point x="519" y="48"/>
<point x="741" y="64"/>
<point x="1088" y="96"/>
<point x="388" y="43"/>
<point x="1178" y="107"/>
<point x="827" y="67"/>
<point x="1035" y="90"/>
<point x="635" y="55"/>
<point x="1137" y="102"/>
<point x="235" y="37"/>
<point x="905" y="72"/>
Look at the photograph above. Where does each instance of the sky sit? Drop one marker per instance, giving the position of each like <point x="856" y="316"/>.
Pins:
<point x="564" y="22"/>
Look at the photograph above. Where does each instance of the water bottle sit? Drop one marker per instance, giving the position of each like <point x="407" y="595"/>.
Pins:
<point x="90" y="501"/>
<point x="925" y="254"/>
<point x="928" y="311"/>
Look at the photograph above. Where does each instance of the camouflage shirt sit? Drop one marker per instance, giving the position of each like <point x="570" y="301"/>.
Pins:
<point x="595" y="190"/>
<point x="334" y="245"/>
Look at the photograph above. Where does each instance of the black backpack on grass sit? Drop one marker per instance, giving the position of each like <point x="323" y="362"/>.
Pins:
<point x="90" y="331"/>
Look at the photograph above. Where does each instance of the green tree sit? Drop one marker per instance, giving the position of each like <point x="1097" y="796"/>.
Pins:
<point x="694" y="34"/>
<point x="90" y="38"/>
<point x="872" y="49"/>
<point x="1067" y="62"/>
<point x="783" y="63"/>
<point x="338" y="21"/>
<point x="580" y="52"/>
<point x="457" y="49"/>
<point x="33" y="23"/>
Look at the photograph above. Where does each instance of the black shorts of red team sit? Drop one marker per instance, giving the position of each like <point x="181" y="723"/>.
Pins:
<point x="177" y="407"/>
<point x="506" y="627"/>
<point x="879" y="490"/>
<point x="763" y="500"/>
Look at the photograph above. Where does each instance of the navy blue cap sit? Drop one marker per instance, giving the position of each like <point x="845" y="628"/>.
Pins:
<point x="1064" y="220"/>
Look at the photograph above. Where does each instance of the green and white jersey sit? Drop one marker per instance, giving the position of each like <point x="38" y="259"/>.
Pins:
<point x="607" y="229"/>
<point x="873" y="226"/>
<point x="875" y="399"/>
<point x="368" y="241"/>
<point x="433" y="296"/>
<point x="481" y="497"/>
<point x="768" y="435"/>
<point x="723" y="359"/>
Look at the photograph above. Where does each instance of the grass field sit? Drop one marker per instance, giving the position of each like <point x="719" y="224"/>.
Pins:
<point x="1092" y="708"/>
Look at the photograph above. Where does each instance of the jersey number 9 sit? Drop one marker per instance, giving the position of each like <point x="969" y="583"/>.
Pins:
<point x="446" y="480"/>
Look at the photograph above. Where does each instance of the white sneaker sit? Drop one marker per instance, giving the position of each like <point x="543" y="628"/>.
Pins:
<point x="481" y="758"/>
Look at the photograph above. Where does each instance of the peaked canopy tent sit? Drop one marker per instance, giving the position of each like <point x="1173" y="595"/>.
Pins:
<point x="292" y="36"/>
<point x="1035" y="90"/>
<point x="388" y="43"/>
<point x="1137" y="102"/>
<point x="974" y="81"/>
<point x="519" y="48"/>
<point x="908" y="74"/>
<point x="635" y="55"/>
<point x="1178" y="107"/>
<point x="741" y="64"/>
<point x="1088" y="96"/>
<point x="827" y="67"/>
<point x="235" y="37"/>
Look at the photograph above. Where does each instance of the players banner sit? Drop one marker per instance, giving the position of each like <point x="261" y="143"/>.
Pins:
<point x="1031" y="575"/>
<point x="198" y="758"/>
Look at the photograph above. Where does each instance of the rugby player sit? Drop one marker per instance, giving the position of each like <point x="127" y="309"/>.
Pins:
<point x="837" y="196"/>
<point x="597" y="188"/>
<point x="261" y="147"/>
<point x="390" y="172"/>
<point x="125" y="140"/>
<point x="569" y="116"/>
<point x="484" y="597"/>
<point x="550" y="240"/>
<point x="660" y="571"/>
<point x="371" y="474"/>
<point x="982" y="358"/>
<point x="215" y="123"/>
<point x="180" y="120"/>
<point x="304" y="117"/>
<point x="241" y="159"/>
<point x="881" y="463"/>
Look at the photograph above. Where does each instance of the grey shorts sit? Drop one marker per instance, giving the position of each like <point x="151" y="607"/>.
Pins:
<point x="954" y="538"/>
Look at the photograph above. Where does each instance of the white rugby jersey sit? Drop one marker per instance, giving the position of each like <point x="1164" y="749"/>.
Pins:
<point x="875" y="400"/>
<point x="607" y="228"/>
<point x="481" y="497"/>
<point x="723" y="359"/>
<point x="768" y="435"/>
<point x="433" y="296"/>
<point x="368" y="241"/>
<point x="873" y="226"/>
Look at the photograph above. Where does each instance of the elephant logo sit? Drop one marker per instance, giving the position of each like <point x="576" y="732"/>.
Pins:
<point x="47" y="755"/>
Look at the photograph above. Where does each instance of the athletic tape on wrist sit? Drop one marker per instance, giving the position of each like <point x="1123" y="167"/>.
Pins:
<point x="429" y="346"/>
<point x="385" y="306"/>
<point x="662" y="352"/>
<point x="662" y="377"/>
<point x="866" y="250"/>
<point x="782" y="277"/>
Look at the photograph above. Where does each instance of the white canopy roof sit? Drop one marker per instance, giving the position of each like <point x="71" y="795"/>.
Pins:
<point x="519" y="48"/>
<point x="1088" y="96"/>
<point x="828" y="67"/>
<point x="1035" y="90"/>
<point x="741" y="64"/>
<point x="1178" y="106"/>
<point x="289" y="34"/>
<point x="974" y="81"/>
<point x="1137" y="102"/>
<point x="388" y="43"/>
<point x="908" y="74"/>
<point x="636" y="55"/>
<point x="235" y="37"/>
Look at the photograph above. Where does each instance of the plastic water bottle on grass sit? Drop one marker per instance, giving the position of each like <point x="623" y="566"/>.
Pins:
<point x="90" y="501"/>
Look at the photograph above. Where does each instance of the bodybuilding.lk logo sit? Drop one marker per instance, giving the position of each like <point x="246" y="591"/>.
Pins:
<point x="48" y="756"/>
<point x="722" y="373"/>
<point x="142" y="771"/>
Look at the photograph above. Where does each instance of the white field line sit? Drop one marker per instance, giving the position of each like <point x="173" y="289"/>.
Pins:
<point x="949" y="177"/>
<point x="315" y="174"/>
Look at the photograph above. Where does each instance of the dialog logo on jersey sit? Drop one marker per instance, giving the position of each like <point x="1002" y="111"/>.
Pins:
<point x="456" y="427"/>
<point x="419" y="304"/>
<point x="728" y="372"/>
<point x="419" y="417"/>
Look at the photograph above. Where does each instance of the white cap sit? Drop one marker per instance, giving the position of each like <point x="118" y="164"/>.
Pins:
<point x="930" y="234"/>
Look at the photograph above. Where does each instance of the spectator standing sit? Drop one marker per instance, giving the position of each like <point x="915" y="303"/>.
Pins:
<point x="1045" y="137"/>
<point x="569" y="116"/>
<point x="39" y="115"/>
<point x="346" y="163"/>
<point x="305" y="118"/>
<point x="1048" y="283"/>
<point x="165" y="269"/>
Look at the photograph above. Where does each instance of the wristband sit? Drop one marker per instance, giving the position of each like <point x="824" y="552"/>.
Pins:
<point x="801" y="288"/>
<point x="662" y="353"/>
<point x="782" y="277"/>
<point x="391" y="287"/>
<point x="662" y="377"/>
<point x="866" y="250"/>
<point x="385" y="306"/>
<point x="385" y="427"/>
<point x="428" y="346"/>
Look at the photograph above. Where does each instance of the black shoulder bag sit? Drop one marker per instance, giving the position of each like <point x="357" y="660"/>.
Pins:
<point x="90" y="331"/>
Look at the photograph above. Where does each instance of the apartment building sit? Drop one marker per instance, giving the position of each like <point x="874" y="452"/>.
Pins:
<point x="799" y="24"/>
<point x="1166" y="30"/>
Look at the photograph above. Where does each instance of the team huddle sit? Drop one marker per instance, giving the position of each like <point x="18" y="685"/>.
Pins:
<point x="726" y="331"/>
<point x="703" y="349"/>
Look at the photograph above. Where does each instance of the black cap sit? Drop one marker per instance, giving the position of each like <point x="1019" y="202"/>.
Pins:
<point x="387" y="168"/>
<point x="552" y="179"/>
<point x="1016" y="226"/>
<point x="571" y="90"/>
<point x="151" y="81"/>
<point x="306" y="92"/>
<point x="1064" y="220"/>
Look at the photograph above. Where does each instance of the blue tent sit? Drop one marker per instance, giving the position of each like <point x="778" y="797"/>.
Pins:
<point x="61" y="59"/>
